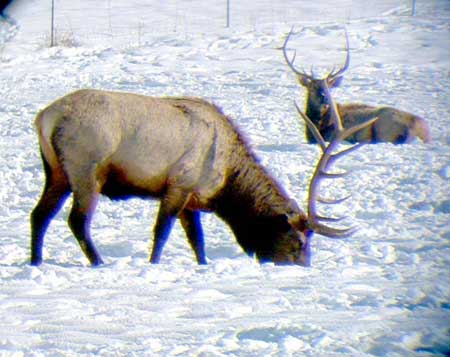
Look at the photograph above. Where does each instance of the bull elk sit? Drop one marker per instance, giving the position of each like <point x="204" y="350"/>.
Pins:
<point x="184" y="152"/>
<point x="393" y="125"/>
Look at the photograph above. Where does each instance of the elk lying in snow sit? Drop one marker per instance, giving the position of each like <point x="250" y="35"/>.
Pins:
<point x="393" y="125"/>
<point x="183" y="151"/>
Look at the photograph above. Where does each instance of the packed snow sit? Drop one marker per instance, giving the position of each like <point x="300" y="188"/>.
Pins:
<point x="383" y="292"/>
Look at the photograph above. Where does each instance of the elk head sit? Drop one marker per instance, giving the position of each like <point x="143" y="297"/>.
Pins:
<point x="317" y="102"/>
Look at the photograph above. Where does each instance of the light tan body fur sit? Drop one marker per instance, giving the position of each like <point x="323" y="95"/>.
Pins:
<point x="182" y="151"/>
<point x="102" y="132"/>
<point x="392" y="125"/>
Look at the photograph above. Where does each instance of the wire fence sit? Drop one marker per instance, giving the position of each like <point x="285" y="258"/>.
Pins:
<point x="137" y="21"/>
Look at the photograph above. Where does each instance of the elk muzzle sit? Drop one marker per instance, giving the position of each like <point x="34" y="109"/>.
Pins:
<point x="294" y="249"/>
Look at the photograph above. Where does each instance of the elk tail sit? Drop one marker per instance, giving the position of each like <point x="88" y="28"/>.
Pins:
<point x="45" y="123"/>
<point x="421" y="129"/>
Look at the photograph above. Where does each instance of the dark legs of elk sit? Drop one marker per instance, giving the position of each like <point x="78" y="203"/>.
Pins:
<point x="55" y="193"/>
<point x="163" y="226"/>
<point x="79" y="223"/>
<point x="170" y="208"/>
<point x="190" y="221"/>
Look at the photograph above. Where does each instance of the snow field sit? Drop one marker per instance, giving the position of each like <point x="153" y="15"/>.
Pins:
<point x="384" y="291"/>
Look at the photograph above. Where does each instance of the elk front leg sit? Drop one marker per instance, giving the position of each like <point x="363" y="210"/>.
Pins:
<point x="171" y="205"/>
<point x="190" y="221"/>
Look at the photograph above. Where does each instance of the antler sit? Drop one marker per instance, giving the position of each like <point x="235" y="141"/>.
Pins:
<point x="341" y="70"/>
<point x="321" y="172"/>
<point x="333" y="74"/>
<point x="290" y="62"/>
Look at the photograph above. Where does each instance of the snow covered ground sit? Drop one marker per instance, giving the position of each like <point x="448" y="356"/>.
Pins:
<point x="383" y="292"/>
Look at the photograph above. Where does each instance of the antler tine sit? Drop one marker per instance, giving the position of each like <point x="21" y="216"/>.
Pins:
<point x="344" y="152"/>
<point x="331" y="175"/>
<point x="289" y="62"/>
<point x="312" y="127"/>
<point x="341" y="70"/>
<point x="331" y="201"/>
<point x="338" y="127"/>
<point x="330" y="219"/>
<point x="334" y="232"/>
<point x="350" y="131"/>
<point x="345" y="134"/>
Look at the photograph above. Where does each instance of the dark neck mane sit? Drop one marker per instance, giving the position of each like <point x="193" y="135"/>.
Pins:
<point x="313" y="112"/>
<point x="253" y="204"/>
<point x="322" y="119"/>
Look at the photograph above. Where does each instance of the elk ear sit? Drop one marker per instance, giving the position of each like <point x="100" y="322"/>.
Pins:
<point x="304" y="81"/>
<point x="293" y="206"/>
<point x="335" y="82"/>
<point x="299" y="222"/>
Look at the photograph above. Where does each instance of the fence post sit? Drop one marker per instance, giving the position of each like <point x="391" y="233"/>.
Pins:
<point x="228" y="13"/>
<point x="52" y="29"/>
<point x="413" y="10"/>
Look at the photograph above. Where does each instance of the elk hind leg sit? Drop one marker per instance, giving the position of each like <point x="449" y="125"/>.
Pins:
<point x="85" y="197"/>
<point x="190" y="221"/>
<point x="56" y="191"/>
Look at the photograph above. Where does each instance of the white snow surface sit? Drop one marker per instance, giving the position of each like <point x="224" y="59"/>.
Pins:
<point x="383" y="292"/>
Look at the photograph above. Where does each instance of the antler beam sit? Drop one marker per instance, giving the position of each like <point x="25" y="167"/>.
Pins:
<point x="321" y="172"/>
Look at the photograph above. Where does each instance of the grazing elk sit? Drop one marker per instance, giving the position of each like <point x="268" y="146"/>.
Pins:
<point x="393" y="125"/>
<point x="183" y="151"/>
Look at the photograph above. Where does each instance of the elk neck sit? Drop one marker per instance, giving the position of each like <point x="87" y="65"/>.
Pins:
<point x="313" y="110"/>
<point x="314" y="113"/>
<point x="253" y="204"/>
